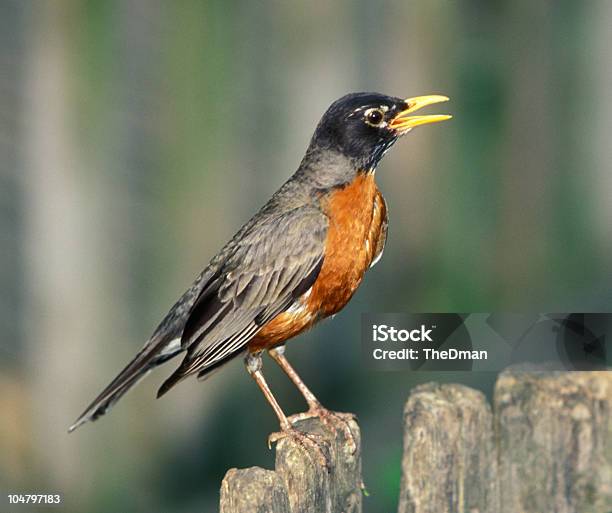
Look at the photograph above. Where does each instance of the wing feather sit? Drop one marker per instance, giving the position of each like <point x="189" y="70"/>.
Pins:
<point x="266" y="270"/>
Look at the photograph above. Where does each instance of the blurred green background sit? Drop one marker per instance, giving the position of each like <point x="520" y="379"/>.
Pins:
<point x="137" y="136"/>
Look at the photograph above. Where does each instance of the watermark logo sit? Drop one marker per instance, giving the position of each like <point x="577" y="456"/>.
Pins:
<point x="486" y="341"/>
<point x="383" y="333"/>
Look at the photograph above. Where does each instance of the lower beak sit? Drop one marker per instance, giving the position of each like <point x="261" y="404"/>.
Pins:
<point x="403" y="122"/>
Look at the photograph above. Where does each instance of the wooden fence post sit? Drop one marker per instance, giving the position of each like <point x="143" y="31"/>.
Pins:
<point x="302" y="482"/>
<point x="448" y="464"/>
<point x="554" y="431"/>
<point x="253" y="489"/>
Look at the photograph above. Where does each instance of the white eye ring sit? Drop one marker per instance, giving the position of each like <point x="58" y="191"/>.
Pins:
<point x="374" y="117"/>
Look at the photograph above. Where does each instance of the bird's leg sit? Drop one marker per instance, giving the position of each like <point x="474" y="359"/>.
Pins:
<point x="315" y="408"/>
<point x="254" y="365"/>
<point x="278" y="355"/>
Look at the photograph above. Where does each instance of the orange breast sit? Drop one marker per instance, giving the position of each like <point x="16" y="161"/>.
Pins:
<point x="357" y="220"/>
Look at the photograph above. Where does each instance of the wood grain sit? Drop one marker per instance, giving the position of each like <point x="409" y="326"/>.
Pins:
<point x="449" y="463"/>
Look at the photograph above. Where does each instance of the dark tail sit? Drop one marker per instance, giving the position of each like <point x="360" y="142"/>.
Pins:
<point x="149" y="357"/>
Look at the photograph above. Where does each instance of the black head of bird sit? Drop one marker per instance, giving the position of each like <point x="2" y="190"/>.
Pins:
<point x="363" y="126"/>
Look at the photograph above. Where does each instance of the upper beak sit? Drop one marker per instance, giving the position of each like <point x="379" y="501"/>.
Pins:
<point x="403" y="122"/>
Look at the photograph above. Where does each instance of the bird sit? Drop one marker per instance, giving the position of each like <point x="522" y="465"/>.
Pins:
<point x="297" y="261"/>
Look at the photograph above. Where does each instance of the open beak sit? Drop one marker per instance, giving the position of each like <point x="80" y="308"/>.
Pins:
<point x="403" y="122"/>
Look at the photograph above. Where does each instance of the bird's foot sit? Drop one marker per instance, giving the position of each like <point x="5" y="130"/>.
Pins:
<point x="331" y="419"/>
<point x="311" y="443"/>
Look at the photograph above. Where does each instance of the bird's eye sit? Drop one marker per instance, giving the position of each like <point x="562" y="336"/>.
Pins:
<point x="374" y="117"/>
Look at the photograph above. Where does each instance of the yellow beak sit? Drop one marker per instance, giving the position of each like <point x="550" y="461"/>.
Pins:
<point x="403" y="122"/>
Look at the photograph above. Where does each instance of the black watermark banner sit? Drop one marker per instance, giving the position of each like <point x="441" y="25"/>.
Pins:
<point x="486" y="341"/>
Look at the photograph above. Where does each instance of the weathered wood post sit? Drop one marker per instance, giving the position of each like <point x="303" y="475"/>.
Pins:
<point x="449" y="464"/>
<point x="253" y="489"/>
<point x="554" y="433"/>
<point x="301" y="482"/>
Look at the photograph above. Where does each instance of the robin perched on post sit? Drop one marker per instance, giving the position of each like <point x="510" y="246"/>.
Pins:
<point x="297" y="261"/>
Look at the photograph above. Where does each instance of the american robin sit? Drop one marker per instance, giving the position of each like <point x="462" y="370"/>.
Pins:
<point x="297" y="261"/>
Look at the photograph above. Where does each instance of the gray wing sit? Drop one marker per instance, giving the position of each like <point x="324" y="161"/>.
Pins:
<point x="264" y="270"/>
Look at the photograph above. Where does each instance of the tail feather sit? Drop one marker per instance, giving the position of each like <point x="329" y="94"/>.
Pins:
<point x="148" y="358"/>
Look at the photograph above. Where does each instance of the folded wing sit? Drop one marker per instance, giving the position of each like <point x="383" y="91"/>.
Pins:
<point x="269" y="267"/>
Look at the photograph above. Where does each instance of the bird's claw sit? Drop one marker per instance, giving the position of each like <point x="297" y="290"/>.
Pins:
<point x="331" y="419"/>
<point x="305" y="440"/>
